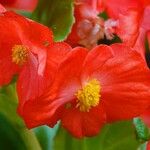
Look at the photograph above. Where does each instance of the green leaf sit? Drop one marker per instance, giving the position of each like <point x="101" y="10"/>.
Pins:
<point x="13" y="129"/>
<point x="8" y="134"/>
<point x="56" y="14"/>
<point x="45" y="136"/>
<point x="141" y="130"/>
<point x="117" y="136"/>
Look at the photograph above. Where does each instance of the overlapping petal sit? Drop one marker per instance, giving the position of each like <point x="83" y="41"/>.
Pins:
<point x="27" y="88"/>
<point x="38" y="39"/>
<point x="82" y="124"/>
<point x="41" y="110"/>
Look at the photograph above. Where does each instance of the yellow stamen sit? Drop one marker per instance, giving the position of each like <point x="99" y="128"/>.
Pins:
<point x="19" y="54"/>
<point x="88" y="96"/>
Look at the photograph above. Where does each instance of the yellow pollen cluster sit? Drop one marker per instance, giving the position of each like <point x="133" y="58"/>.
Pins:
<point x="88" y="96"/>
<point x="19" y="54"/>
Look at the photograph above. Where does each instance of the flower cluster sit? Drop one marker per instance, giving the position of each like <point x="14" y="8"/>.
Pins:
<point x="85" y="86"/>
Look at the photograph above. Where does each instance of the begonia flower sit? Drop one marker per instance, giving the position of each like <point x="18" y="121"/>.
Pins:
<point x="108" y="83"/>
<point x="27" y="48"/>
<point x="88" y="27"/>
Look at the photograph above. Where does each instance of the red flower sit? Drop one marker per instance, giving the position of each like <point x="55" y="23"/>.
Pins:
<point x="28" y="5"/>
<point x="87" y="29"/>
<point x="90" y="88"/>
<point x="27" y="48"/>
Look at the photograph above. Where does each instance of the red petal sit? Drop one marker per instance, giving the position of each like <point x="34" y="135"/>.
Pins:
<point x="7" y="70"/>
<point x="29" y="31"/>
<point x="57" y="52"/>
<point x="128" y="27"/>
<point x="143" y="30"/>
<point x="145" y="2"/>
<point x="55" y="55"/>
<point x="28" y="5"/>
<point x="125" y="83"/>
<point x="95" y="59"/>
<point x="116" y="7"/>
<point x="81" y="124"/>
<point x="4" y="2"/>
<point x="9" y="37"/>
<point x="146" y="21"/>
<point x="39" y="34"/>
<point x="120" y="49"/>
<point x="140" y="42"/>
<point x="96" y="5"/>
<point x="30" y="83"/>
<point x="39" y="112"/>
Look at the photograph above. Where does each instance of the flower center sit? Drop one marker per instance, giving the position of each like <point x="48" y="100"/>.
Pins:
<point x="88" y="96"/>
<point x="19" y="54"/>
